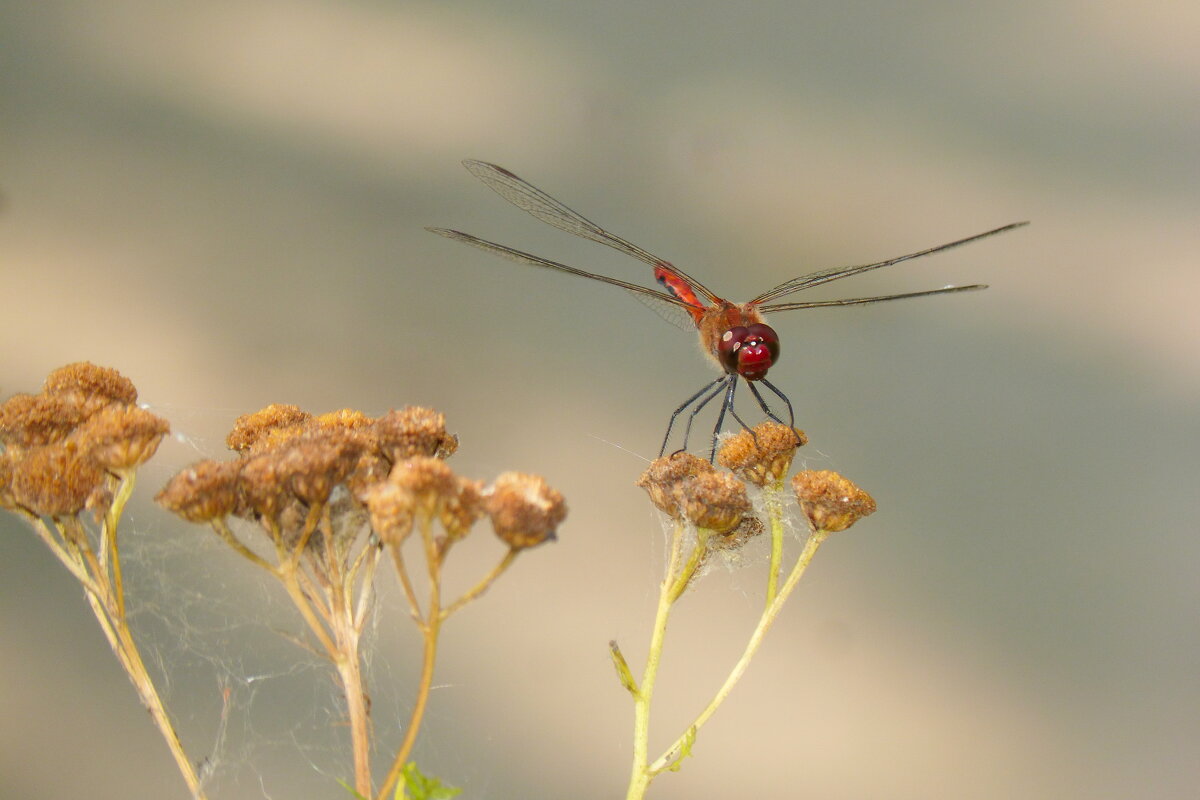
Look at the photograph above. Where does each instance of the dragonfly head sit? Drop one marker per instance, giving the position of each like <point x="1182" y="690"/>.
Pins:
<point x="748" y="350"/>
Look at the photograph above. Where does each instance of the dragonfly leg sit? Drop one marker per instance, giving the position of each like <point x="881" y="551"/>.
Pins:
<point x="675" y="414"/>
<point x="784" y="398"/>
<point x="726" y="405"/>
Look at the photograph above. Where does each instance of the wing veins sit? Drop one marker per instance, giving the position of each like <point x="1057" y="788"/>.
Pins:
<point x="862" y="301"/>
<point x="522" y="257"/>
<point x="836" y="273"/>
<point x="542" y="206"/>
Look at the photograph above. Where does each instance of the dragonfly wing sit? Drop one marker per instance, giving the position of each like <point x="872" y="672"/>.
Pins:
<point x="837" y="273"/>
<point x="862" y="301"/>
<point x="522" y="257"/>
<point x="537" y="203"/>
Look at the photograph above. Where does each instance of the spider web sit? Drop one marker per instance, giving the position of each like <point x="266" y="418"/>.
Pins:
<point x="258" y="710"/>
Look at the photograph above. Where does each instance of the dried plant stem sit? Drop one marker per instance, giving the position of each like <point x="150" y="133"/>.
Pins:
<point x="100" y="576"/>
<point x="430" y="625"/>
<point x="678" y="749"/>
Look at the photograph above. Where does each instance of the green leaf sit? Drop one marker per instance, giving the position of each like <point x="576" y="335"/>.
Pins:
<point x="351" y="790"/>
<point x="417" y="786"/>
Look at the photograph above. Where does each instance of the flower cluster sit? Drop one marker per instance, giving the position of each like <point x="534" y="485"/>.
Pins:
<point x="386" y="471"/>
<point x="65" y="448"/>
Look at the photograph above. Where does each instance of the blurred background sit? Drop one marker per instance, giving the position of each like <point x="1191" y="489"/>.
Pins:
<point x="225" y="201"/>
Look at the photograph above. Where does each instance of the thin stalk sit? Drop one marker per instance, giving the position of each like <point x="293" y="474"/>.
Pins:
<point x="430" y="629"/>
<point x="639" y="777"/>
<point x="483" y="584"/>
<point x="675" y="751"/>
<point x="775" y="515"/>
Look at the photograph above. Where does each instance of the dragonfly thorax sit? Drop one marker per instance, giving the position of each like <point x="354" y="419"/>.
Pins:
<point x="748" y="351"/>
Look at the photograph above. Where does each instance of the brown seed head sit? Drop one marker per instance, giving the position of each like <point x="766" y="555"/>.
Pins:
<point x="428" y="480"/>
<point x="524" y="510"/>
<point x="87" y="380"/>
<point x="314" y="462"/>
<point x="460" y="510"/>
<point x="714" y="500"/>
<point x="7" y="499"/>
<point x="121" y="436"/>
<point x="666" y="475"/>
<point x="262" y="489"/>
<point x="831" y="502"/>
<point x="392" y="511"/>
<point x="57" y="480"/>
<point x="266" y="423"/>
<point x="762" y="456"/>
<point x="203" y="492"/>
<point x="343" y="418"/>
<point x="370" y="469"/>
<point x="33" y="420"/>
<point x="414" y="431"/>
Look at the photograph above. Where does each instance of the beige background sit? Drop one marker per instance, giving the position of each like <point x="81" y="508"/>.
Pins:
<point x="225" y="200"/>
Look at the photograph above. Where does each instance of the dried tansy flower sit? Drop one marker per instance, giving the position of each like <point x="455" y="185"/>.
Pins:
<point x="392" y="511"/>
<point x="414" y="431"/>
<point x="460" y="510"/>
<point x="664" y="479"/>
<point x="249" y="429"/>
<point x="428" y="480"/>
<point x="714" y="500"/>
<point x="58" y="480"/>
<point x="343" y="418"/>
<point x="90" y="381"/>
<point x="829" y="501"/>
<point x="203" y="492"/>
<point x="524" y="510"/>
<point x="33" y="420"/>
<point x="313" y="463"/>
<point x="120" y="437"/>
<point x="764" y="455"/>
<point x="7" y="500"/>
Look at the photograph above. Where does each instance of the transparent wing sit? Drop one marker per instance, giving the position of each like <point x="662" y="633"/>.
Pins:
<point x="837" y="273"/>
<point x="522" y="257"/>
<point x="862" y="301"/>
<point x="537" y="203"/>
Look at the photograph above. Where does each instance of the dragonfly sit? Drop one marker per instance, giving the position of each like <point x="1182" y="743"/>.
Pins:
<point x="734" y="336"/>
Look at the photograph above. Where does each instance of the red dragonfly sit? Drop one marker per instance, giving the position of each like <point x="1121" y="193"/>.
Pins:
<point x="733" y="335"/>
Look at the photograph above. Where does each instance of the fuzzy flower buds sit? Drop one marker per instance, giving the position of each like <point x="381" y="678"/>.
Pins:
<point x="524" y="510"/>
<point x="684" y="486"/>
<point x="763" y="455"/>
<point x="829" y="501"/>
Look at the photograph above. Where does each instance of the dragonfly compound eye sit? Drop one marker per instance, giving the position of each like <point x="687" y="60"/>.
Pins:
<point x="748" y="351"/>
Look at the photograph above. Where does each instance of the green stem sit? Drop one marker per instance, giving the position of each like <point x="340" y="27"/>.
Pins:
<point x="640" y="776"/>
<point x="677" y="749"/>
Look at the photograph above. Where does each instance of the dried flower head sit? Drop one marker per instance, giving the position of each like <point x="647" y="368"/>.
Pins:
<point x="524" y="510"/>
<point x="714" y="500"/>
<point x="370" y="470"/>
<point x="266" y="423"/>
<point x="763" y="455"/>
<point x="664" y="478"/>
<point x="314" y="462"/>
<point x="86" y="380"/>
<point x="121" y="436"/>
<point x="58" y="480"/>
<point x="414" y="431"/>
<point x="831" y="502"/>
<point x="203" y="492"/>
<point x="33" y="420"/>
<point x="343" y="418"/>
<point x="392" y="511"/>
<point x="262" y="492"/>
<point x="7" y="499"/>
<point x="461" y="509"/>
<point x="428" y="480"/>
